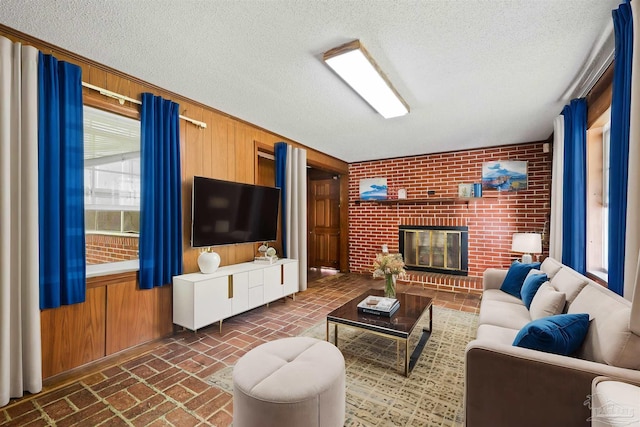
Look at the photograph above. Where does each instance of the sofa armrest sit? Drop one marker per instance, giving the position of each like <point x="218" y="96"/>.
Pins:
<point x="492" y="278"/>
<point x="508" y="386"/>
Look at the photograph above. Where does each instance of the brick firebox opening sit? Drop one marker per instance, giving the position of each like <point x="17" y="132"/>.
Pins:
<point x="435" y="248"/>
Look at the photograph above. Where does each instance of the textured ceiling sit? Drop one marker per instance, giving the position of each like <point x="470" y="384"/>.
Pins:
<point x="475" y="73"/>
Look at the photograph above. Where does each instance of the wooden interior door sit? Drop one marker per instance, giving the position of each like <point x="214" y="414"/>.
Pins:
<point x="324" y="223"/>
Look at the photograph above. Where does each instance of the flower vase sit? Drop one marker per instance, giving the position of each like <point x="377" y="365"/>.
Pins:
<point x="390" y="285"/>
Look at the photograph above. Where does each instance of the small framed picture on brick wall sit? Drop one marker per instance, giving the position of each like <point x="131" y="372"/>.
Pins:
<point x="465" y="190"/>
<point x="507" y="175"/>
<point x="373" y="189"/>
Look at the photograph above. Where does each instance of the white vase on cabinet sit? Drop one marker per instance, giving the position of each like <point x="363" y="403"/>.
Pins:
<point x="208" y="261"/>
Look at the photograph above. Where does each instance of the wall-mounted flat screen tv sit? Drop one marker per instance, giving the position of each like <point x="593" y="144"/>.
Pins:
<point x="225" y="212"/>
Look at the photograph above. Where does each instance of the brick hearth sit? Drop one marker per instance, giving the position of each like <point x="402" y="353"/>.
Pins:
<point x="444" y="282"/>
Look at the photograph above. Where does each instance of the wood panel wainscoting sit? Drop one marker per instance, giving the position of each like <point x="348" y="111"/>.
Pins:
<point x="116" y="315"/>
<point x="73" y="335"/>
<point x="135" y="315"/>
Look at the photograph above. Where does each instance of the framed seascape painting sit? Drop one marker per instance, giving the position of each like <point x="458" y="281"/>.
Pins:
<point x="507" y="175"/>
<point x="373" y="189"/>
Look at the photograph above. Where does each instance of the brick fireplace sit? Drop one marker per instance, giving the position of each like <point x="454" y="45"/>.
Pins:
<point x="490" y="221"/>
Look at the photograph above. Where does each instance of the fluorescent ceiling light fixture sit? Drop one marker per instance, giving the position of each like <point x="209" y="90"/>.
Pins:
<point x="357" y="68"/>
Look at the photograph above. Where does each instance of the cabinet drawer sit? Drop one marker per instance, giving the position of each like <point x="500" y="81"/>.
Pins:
<point x="256" y="278"/>
<point x="256" y="296"/>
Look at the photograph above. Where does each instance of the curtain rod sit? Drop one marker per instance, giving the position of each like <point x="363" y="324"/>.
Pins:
<point x="122" y="98"/>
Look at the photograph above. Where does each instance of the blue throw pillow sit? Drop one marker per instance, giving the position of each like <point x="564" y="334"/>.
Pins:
<point x="530" y="286"/>
<point x="515" y="277"/>
<point x="561" y="334"/>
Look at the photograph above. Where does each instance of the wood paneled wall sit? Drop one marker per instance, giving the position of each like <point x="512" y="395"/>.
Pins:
<point x="134" y="316"/>
<point x="73" y="335"/>
<point x="118" y="315"/>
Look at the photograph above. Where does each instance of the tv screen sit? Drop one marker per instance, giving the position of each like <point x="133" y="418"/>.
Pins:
<point x="225" y="212"/>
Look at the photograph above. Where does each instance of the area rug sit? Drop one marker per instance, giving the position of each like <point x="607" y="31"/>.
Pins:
<point x="378" y="394"/>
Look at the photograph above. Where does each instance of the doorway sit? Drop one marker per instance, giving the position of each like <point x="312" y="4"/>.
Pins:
<point x="323" y="220"/>
<point x="326" y="220"/>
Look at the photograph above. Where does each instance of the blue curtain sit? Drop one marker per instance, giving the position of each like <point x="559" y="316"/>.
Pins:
<point x="574" y="192"/>
<point x="281" y="182"/>
<point x="161" y="193"/>
<point x="619" y="145"/>
<point x="61" y="183"/>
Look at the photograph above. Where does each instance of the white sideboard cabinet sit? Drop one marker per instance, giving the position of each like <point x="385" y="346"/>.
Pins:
<point x="202" y="299"/>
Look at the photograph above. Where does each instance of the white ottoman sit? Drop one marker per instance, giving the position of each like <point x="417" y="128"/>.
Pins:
<point x="290" y="382"/>
<point x="614" y="403"/>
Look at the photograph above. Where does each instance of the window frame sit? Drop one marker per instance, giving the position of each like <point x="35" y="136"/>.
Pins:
<point x="97" y="271"/>
<point x="597" y="194"/>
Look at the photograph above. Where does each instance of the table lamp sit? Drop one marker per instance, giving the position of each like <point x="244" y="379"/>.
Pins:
<point x="527" y="243"/>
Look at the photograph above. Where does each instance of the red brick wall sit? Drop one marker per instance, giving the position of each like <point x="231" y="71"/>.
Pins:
<point x="491" y="221"/>
<point x="103" y="248"/>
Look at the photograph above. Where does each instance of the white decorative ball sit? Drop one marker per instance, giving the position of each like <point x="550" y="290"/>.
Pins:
<point x="208" y="262"/>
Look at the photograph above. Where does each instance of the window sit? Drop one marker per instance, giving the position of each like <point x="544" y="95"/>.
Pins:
<point x="111" y="186"/>
<point x="598" y="197"/>
<point x="606" y="138"/>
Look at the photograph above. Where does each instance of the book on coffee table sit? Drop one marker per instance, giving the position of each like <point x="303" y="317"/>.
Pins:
<point x="379" y="306"/>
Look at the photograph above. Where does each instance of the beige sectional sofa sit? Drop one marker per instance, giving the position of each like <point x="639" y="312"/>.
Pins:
<point x="513" y="386"/>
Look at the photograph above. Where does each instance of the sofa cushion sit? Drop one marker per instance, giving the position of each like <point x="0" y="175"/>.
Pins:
<point x="515" y="277"/>
<point x="530" y="286"/>
<point x="496" y="334"/>
<point x="569" y="282"/>
<point x="498" y="295"/>
<point x="550" y="266"/>
<point x="546" y="302"/>
<point x="500" y="313"/>
<point x="560" y="334"/>
<point x="609" y="339"/>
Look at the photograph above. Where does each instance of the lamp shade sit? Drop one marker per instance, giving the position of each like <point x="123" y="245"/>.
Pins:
<point x="527" y="243"/>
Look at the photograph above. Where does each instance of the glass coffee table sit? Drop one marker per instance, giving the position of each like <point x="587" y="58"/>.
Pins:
<point x="399" y="326"/>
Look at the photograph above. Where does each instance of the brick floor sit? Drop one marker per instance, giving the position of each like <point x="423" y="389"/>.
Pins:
<point x="166" y="387"/>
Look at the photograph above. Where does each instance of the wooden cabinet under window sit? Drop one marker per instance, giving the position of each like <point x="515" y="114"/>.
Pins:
<point x="115" y="316"/>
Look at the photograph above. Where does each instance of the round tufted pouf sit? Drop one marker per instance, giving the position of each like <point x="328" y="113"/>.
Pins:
<point x="290" y="382"/>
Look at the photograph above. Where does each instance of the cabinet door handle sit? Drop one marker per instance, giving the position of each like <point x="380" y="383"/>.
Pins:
<point x="282" y="274"/>
<point x="230" y="287"/>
